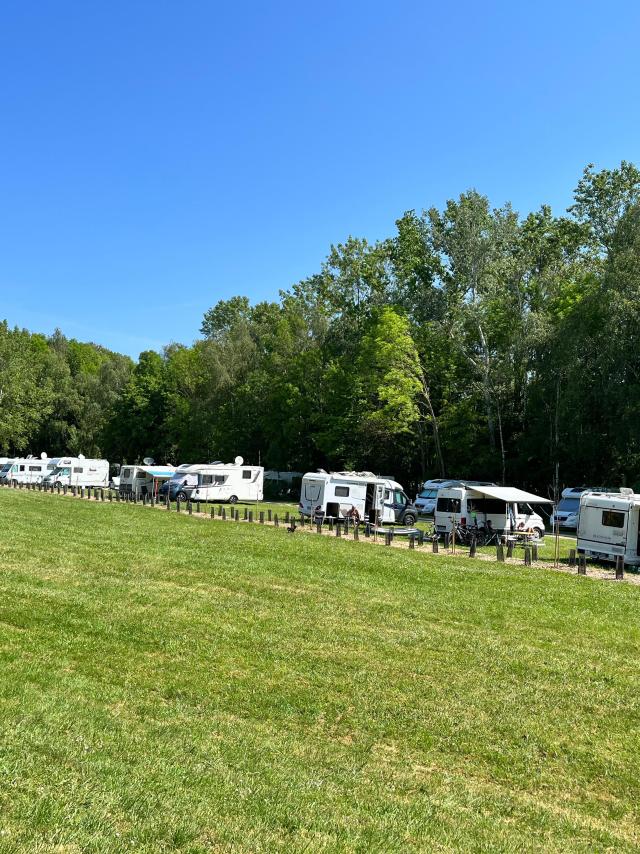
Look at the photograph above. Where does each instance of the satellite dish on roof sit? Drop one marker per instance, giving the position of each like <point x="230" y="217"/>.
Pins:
<point x="43" y="456"/>
<point x="81" y="456"/>
<point x="148" y="461"/>
<point x="238" y="461"/>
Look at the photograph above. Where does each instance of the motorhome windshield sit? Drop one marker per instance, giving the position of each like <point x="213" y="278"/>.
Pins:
<point x="61" y="470"/>
<point x="5" y="468"/>
<point x="569" y="504"/>
<point x="428" y="493"/>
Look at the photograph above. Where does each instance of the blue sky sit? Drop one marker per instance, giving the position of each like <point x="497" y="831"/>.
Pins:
<point x="156" y="157"/>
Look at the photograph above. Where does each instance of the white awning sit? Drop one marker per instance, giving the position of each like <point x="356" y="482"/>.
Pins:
<point x="510" y="493"/>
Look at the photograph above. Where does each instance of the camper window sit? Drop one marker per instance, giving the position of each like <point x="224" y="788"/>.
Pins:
<point x="342" y="491"/>
<point x="141" y="474"/>
<point x="78" y="469"/>
<point x="21" y="468"/>
<point x="448" y="505"/>
<point x="612" y="519"/>
<point x="246" y="475"/>
<point x="208" y="479"/>
<point x="34" y="468"/>
<point x="126" y="474"/>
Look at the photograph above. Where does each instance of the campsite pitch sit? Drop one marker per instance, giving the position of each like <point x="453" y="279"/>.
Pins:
<point x="174" y="683"/>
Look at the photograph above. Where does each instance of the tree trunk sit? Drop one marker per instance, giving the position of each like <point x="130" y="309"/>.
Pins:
<point x="486" y="362"/>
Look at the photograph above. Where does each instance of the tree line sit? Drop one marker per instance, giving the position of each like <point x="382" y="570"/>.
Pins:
<point x="473" y="342"/>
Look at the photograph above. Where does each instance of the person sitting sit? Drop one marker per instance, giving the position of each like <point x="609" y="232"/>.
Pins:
<point x="353" y="515"/>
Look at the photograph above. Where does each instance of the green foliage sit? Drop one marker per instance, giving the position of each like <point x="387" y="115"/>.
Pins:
<point x="471" y="342"/>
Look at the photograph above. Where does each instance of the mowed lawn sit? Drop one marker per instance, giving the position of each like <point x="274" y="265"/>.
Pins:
<point x="174" y="683"/>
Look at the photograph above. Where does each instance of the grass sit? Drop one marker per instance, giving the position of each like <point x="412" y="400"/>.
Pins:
<point x="173" y="683"/>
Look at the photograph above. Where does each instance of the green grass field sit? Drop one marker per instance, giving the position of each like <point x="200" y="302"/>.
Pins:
<point x="172" y="683"/>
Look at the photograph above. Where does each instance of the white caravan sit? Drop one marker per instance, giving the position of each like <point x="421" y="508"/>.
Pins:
<point x="508" y="510"/>
<point x="230" y="482"/>
<point x="79" y="471"/>
<point x="375" y="499"/>
<point x="609" y="525"/>
<point x="143" y="480"/>
<point x="567" y="512"/>
<point x="27" y="470"/>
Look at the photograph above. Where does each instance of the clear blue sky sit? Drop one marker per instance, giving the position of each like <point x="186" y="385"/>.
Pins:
<point x="156" y="157"/>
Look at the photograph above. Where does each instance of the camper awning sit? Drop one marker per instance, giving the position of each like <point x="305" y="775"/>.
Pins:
<point x="510" y="493"/>
<point x="161" y="472"/>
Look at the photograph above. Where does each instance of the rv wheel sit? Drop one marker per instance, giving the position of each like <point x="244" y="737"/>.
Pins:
<point x="182" y="496"/>
<point x="409" y="519"/>
<point x="233" y="499"/>
<point x="539" y="534"/>
<point x="57" y="485"/>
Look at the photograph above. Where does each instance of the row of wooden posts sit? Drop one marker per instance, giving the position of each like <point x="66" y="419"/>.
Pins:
<point x="338" y="525"/>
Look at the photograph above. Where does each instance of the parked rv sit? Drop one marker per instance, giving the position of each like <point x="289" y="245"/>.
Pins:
<point x="504" y="509"/>
<point x="182" y="483"/>
<point x="427" y="497"/>
<point x="230" y="482"/>
<point x="27" y="470"/>
<point x="143" y="480"/>
<point x="337" y="494"/>
<point x="609" y="525"/>
<point x="78" y="471"/>
<point x="567" y="512"/>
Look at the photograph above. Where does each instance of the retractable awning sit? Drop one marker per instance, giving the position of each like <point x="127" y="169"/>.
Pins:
<point x="510" y="493"/>
<point x="160" y="472"/>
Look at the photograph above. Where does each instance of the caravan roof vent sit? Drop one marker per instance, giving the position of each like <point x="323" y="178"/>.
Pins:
<point x="626" y="490"/>
<point x="81" y="456"/>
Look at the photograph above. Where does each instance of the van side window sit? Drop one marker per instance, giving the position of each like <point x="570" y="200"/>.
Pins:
<point x="34" y="468"/>
<point x="448" y="505"/>
<point x="342" y="491"/>
<point x="77" y="469"/>
<point x="246" y="475"/>
<point x="141" y="474"/>
<point x="21" y="468"/>
<point x="612" y="519"/>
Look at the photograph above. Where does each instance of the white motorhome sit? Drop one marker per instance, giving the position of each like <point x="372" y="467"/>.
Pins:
<point x="427" y="497"/>
<point x="143" y="480"/>
<point x="567" y="513"/>
<point x="507" y="509"/>
<point x="27" y="469"/>
<point x="376" y="499"/>
<point x="79" y="471"/>
<point x="230" y="482"/>
<point x="609" y="525"/>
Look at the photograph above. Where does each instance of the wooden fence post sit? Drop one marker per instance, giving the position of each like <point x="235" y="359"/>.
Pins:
<point x="527" y="555"/>
<point x="619" y="567"/>
<point x="500" y="553"/>
<point x="582" y="564"/>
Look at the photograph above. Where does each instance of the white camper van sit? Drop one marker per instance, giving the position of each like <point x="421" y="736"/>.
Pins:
<point x="508" y="510"/>
<point x="567" y="512"/>
<point x="427" y="497"/>
<point x="609" y="525"/>
<point x="229" y="482"/>
<point x="143" y="480"/>
<point x="376" y="499"/>
<point x="27" y="470"/>
<point x="79" y="471"/>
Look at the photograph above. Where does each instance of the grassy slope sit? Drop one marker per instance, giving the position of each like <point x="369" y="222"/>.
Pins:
<point x="180" y="683"/>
